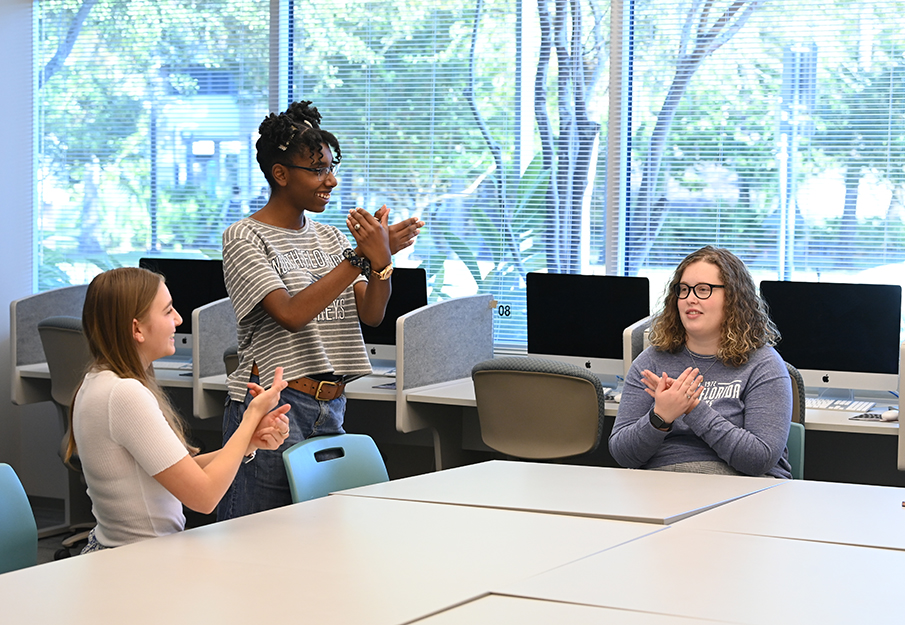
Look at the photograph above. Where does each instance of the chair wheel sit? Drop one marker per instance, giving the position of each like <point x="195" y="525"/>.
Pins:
<point x="61" y="554"/>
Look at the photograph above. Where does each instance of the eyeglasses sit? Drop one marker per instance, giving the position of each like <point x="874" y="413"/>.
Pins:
<point x="320" y="172"/>
<point x="701" y="290"/>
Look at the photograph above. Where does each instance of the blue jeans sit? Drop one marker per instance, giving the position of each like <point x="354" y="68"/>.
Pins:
<point x="262" y="483"/>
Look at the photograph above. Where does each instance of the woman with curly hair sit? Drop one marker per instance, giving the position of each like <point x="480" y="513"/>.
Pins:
<point x="711" y="394"/>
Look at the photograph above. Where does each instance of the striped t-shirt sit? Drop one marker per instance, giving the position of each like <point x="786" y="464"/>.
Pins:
<point x="259" y="258"/>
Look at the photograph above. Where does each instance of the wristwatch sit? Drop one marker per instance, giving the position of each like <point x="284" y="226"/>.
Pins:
<point x="658" y="422"/>
<point x="385" y="273"/>
<point x="363" y="264"/>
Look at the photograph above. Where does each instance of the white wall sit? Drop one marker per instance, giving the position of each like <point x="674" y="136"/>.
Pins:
<point x="29" y="435"/>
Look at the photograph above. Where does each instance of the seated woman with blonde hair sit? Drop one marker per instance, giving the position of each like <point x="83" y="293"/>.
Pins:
<point x="138" y="464"/>
<point x="711" y="394"/>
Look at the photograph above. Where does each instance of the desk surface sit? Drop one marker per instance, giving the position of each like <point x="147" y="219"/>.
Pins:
<point x="452" y="393"/>
<point x="840" y="421"/>
<point x="601" y="492"/>
<point x="362" y="388"/>
<point x="331" y="560"/>
<point x="851" y="514"/>
<point x="496" y="609"/>
<point x="174" y="378"/>
<point x="732" y="577"/>
<point x="461" y="393"/>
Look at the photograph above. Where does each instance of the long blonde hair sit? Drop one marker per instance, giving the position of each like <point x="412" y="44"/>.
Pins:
<point x="114" y="298"/>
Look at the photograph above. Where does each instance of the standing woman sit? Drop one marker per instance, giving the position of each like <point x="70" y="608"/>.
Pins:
<point x="131" y="443"/>
<point x="711" y="394"/>
<point x="299" y="289"/>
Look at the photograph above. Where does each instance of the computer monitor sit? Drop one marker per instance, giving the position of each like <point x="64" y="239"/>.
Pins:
<point x="192" y="283"/>
<point x="409" y="293"/>
<point x="579" y="318"/>
<point x="901" y="452"/>
<point x="839" y="336"/>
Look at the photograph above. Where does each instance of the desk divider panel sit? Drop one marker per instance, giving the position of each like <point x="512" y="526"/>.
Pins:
<point x="633" y="342"/>
<point x="25" y="342"/>
<point x="901" y="454"/>
<point x="213" y="331"/>
<point x="440" y="343"/>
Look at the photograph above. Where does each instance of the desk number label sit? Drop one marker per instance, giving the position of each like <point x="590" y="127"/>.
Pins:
<point x="503" y="310"/>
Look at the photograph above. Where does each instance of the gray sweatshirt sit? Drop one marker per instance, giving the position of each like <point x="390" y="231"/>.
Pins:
<point x="742" y="419"/>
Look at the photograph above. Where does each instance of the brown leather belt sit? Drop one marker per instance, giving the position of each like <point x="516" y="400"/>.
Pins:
<point x="321" y="390"/>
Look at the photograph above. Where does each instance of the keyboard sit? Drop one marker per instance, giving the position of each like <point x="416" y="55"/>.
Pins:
<point x="867" y="416"/>
<point x="822" y="403"/>
<point x="164" y="363"/>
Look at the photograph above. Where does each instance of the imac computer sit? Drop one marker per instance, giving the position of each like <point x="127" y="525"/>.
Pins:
<point x="409" y="293"/>
<point x="580" y="318"/>
<point x="192" y="283"/>
<point x="901" y="450"/>
<point x="839" y="336"/>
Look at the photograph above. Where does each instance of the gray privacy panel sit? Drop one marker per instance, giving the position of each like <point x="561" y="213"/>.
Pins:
<point x="443" y="341"/>
<point x="213" y="330"/>
<point x="28" y="311"/>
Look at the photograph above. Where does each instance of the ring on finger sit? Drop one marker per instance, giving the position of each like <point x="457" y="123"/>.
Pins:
<point x="357" y="226"/>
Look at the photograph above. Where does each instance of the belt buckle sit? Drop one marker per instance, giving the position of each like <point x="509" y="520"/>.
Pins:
<point x="320" y="385"/>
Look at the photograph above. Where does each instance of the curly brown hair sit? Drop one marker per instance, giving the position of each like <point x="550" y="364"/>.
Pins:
<point x="295" y="131"/>
<point x="747" y="325"/>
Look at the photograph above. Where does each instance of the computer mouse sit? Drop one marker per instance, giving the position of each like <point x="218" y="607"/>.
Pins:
<point x="890" y="415"/>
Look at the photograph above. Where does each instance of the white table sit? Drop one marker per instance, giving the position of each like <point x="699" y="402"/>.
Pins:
<point x="840" y="421"/>
<point x="733" y="577"/>
<point x="851" y="514"/>
<point x="496" y="609"/>
<point x="332" y="560"/>
<point x="452" y="393"/>
<point x="622" y="494"/>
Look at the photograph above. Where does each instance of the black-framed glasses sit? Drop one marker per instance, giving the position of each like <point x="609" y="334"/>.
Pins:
<point x="702" y="290"/>
<point x="320" y="172"/>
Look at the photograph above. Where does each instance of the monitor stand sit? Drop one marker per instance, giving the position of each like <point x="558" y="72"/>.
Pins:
<point x="845" y="394"/>
<point x="181" y="359"/>
<point x="383" y="367"/>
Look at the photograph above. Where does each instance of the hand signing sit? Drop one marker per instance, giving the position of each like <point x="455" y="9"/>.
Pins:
<point x="403" y="233"/>
<point x="674" y="398"/>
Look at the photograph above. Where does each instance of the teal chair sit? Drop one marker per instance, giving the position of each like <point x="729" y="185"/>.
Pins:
<point x="795" y="444"/>
<point x="321" y="465"/>
<point x="18" y="532"/>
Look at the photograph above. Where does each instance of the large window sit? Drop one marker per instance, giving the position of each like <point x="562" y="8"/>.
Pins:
<point x="584" y="136"/>
<point x="772" y="128"/>
<point x="147" y="112"/>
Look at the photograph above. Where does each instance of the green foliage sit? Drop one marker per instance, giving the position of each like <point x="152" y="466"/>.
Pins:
<point x="510" y="243"/>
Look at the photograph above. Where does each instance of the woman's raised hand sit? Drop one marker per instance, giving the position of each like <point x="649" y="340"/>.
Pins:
<point x="674" y="397"/>
<point x="403" y="233"/>
<point x="265" y="400"/>
<point x="372" y="236"/>
<point x="273" y="429"/>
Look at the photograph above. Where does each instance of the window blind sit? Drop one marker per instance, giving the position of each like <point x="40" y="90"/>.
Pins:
<point x="772" y="128"/>
<point x="592" y="137"/>
<point x="147" y="117"/>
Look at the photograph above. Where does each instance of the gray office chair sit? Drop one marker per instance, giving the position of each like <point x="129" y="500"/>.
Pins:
<point x="795" y="444"/>
<point x="536" y="408"/>
<point x="231" y="358"/>
<point x="68" y="357"/>
<point x="18" y="532"/>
